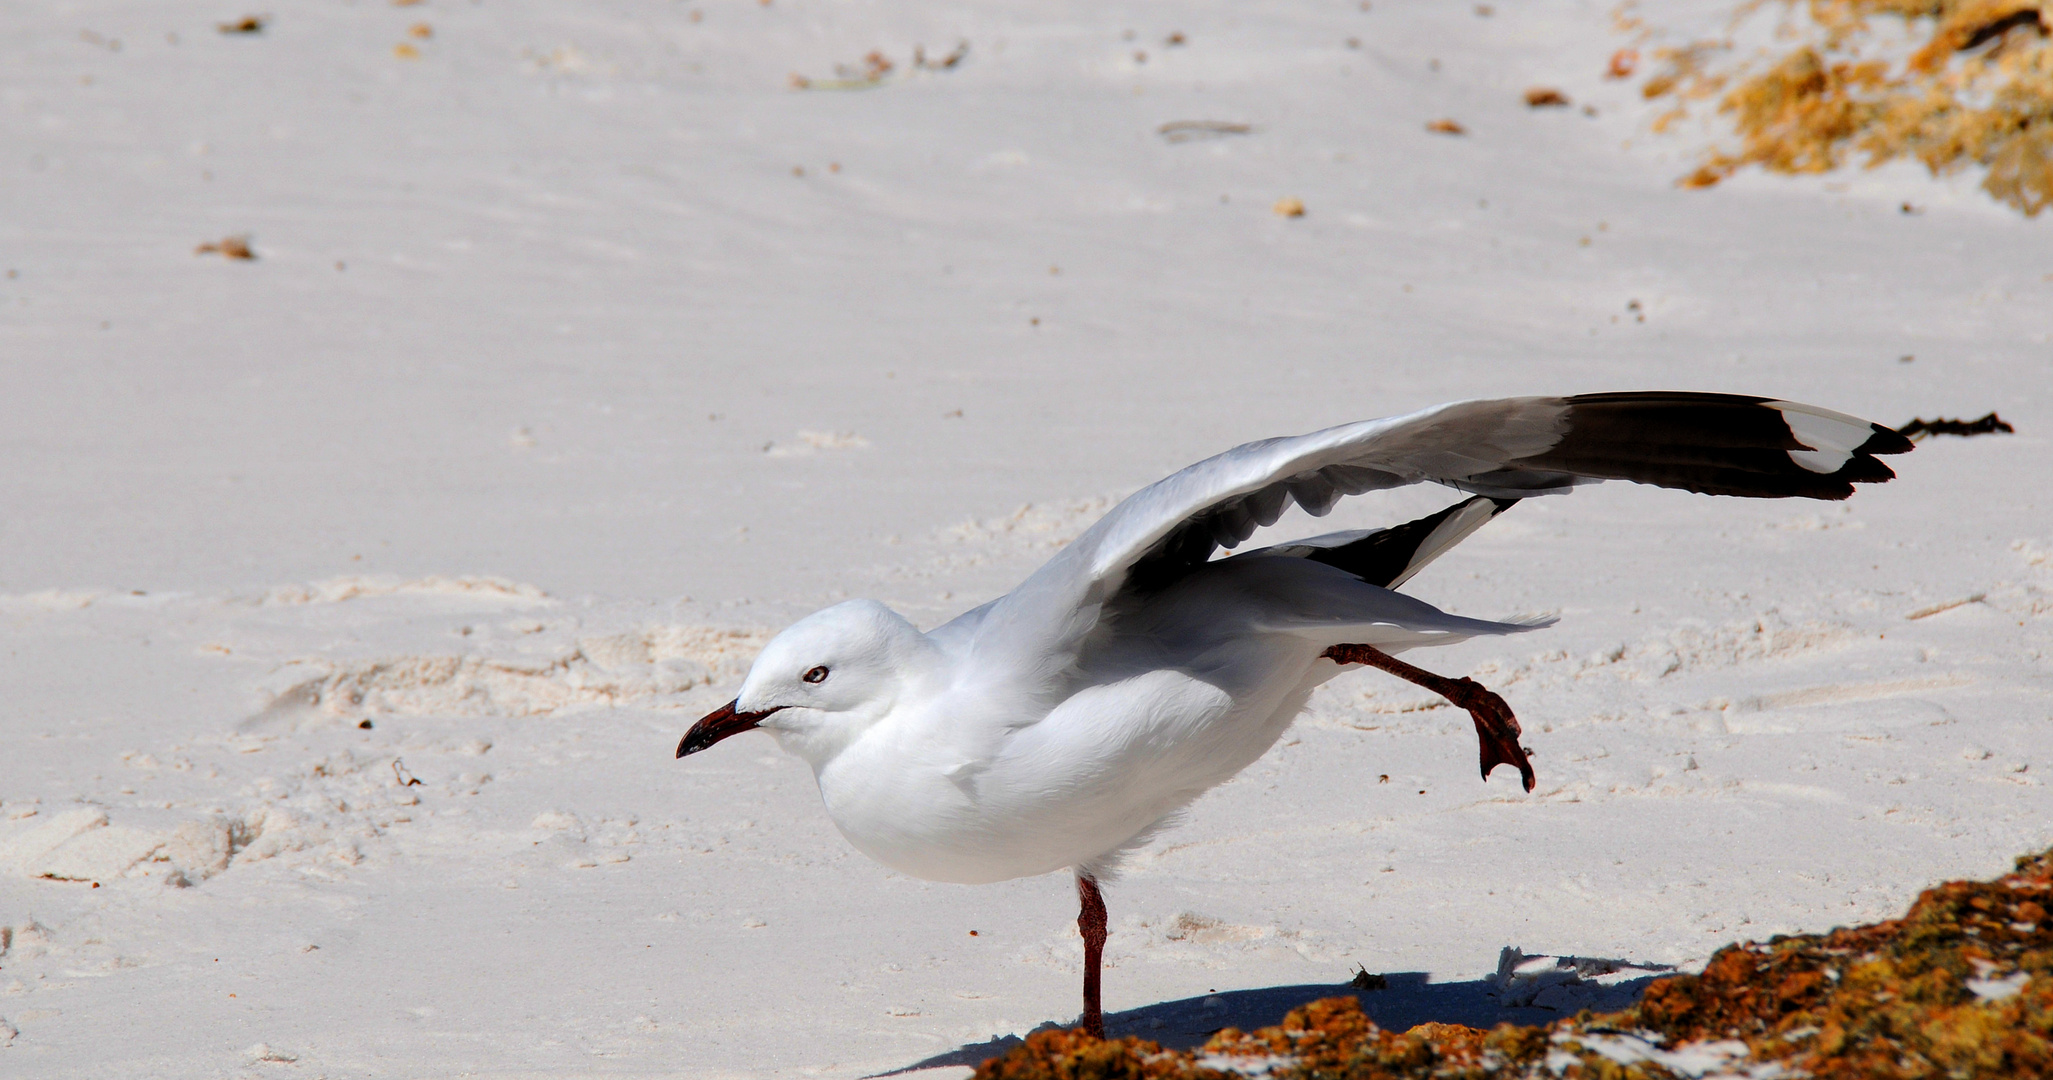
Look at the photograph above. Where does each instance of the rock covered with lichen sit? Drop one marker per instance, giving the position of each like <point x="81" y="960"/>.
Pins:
<point x="1960" y="987"/>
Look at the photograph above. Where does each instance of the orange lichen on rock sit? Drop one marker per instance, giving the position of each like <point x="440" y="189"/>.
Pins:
<point x="1328" y="1038"/>
<point x="1334" y="1037"/>
<point x="1073" y="1055"/>
<point x="1978" y="91"/>
<point x="1962" y="986"/>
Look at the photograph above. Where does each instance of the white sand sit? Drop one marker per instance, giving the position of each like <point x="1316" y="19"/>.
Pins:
<point x="553" y="388"/>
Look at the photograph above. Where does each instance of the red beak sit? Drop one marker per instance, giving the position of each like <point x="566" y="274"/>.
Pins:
<point x="719" y="724"/>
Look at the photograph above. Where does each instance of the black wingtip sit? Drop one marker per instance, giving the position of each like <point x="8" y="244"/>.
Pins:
<point x="1886" y="441"/>
<point x="1721" y="444"/>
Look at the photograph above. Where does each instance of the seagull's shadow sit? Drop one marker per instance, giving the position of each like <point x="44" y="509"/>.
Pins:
<point x="1409" y="999"/>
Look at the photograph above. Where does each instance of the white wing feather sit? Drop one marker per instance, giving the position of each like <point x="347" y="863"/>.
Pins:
<point x="1054" y="608"/>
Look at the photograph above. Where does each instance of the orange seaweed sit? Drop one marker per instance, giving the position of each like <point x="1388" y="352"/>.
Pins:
<point x="1978" y="91"/>
<point x="1961" y="986"/>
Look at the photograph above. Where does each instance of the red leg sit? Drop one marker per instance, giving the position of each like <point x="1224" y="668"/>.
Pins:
<point x="1497" y="730"/>
<point x="1091" y="922"/>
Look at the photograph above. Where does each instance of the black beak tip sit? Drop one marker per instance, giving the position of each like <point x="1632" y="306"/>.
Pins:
<point x="694" y="741"/>
<point x="717" y="725"/>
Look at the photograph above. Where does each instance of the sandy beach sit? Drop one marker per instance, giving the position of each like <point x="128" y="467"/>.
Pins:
<point x="354" y="595"/>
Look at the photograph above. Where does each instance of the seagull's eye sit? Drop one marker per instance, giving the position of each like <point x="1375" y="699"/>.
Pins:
<point x="817" y="675"/>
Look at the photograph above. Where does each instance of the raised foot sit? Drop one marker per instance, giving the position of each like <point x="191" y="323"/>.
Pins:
<point x="1497" y="730"/>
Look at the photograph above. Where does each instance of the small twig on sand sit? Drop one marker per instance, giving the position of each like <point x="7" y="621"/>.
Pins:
<point x="1928" y="612"/>
<point x="1987" y="425"/>
<point x="1178" y="131"/>
<point x="234" y="247"/>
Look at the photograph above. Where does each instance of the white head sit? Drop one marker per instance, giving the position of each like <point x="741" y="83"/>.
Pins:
<point x="823" y="681"/>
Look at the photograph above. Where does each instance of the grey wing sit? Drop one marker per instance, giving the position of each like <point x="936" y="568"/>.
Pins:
<point x="1506" y="449"/>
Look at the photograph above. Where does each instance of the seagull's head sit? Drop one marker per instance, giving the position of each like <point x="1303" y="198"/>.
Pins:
<point x="822" y="682"/>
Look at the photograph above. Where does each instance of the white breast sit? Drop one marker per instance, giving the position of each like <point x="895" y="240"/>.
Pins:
<point x="931" y="796"/>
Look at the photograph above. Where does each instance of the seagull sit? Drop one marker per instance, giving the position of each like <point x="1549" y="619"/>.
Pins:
<point x="1067" y="722"/>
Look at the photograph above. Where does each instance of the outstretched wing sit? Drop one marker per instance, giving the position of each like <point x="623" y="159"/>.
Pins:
<point x="1716" y="444"/>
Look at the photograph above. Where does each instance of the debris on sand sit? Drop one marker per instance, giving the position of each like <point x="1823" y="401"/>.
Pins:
<point x="1365" y="980"/>
<point x="1183" y="131"/>
<point x="876" y="67"/>
<point x="1446" y="127"/>
<point x="248" y="24"/>
<point x="1961" y="986"/>
<point x="233" y="247"/>
<point x="939" y="63"/>
<point x="1987" y="425"/>
<point x="1545" y="97"/>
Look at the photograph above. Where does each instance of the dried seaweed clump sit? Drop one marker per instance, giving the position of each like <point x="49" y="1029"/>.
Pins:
<point x="1961" y="987"/>
<point x="1329" y="1038"/>
<point x="1979" y="91"/>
